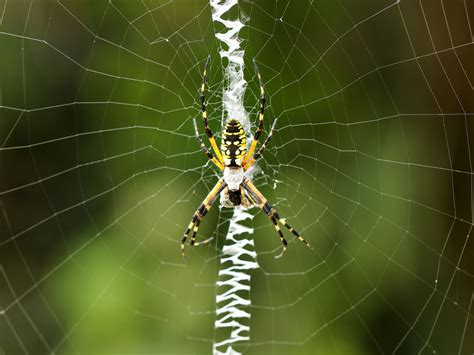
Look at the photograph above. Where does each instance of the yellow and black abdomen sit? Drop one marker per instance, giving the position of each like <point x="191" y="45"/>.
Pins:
<point x="234" y="144"/>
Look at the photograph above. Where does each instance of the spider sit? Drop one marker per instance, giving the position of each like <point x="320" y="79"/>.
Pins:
<point x="233" y="160"/>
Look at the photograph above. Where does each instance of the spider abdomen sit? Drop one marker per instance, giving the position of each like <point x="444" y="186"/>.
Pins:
<point x="234" y="144"/>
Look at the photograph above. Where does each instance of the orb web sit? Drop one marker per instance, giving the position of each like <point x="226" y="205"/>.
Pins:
<point x="371" y="161"/>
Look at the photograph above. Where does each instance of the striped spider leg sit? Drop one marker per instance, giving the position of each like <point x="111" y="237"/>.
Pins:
<point x="205" y="149"/>
<point x="260" y="116"/>
<point x="202" y="98"/>
<point x="200" y="213"/>
<point x="233" y="161"/>
<point x="258" y="154"/>
<point x="271" y="212"/>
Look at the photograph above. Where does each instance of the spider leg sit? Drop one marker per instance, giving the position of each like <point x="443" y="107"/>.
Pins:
<point x="204" y="148"/>
<point x="260" y="116"/>
<point x="262" y="148"/>
<point x="266" y="207"/>
<point x="202" y="98"/>
<point x="201" y="212"/>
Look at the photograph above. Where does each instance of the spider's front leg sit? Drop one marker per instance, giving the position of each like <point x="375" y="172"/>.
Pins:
<point x="261" y="114"/>
<point x="271" y="212"/>
<point x="262" y="148"/>
<point x="202" y="98"/>
<point x="201" y="212"/>
<point x="205" y="150"/>
<point x="250" y="157"/>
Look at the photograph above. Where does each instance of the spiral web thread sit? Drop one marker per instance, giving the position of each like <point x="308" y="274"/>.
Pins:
<point x="371" y="161"/>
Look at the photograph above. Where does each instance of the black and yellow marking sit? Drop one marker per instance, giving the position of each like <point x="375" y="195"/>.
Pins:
<point x="234" y="144"/>
<point x="266" y="207"/>
<point x="262" y="148"/>
<point x="202" y="98"/>
<point x="290" y="228"/>
<point x="277" y="227"/>
<point x="260" y="116"/>
<point x="204" y="148"/>
<point x="200" y="213"/>
<point x="234" y="154"/>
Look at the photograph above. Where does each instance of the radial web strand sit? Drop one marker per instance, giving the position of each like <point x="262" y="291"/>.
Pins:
<point x="371" y="161"/>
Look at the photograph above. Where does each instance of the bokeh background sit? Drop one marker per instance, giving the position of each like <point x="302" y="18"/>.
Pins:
<point x="371" y="161"/>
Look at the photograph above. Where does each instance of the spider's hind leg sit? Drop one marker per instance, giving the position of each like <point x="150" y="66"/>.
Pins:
<point x="200" y="213"/>
<point x="247" y="200"/>
<point x="290" y="228"/>
<point x="266" y="207"/>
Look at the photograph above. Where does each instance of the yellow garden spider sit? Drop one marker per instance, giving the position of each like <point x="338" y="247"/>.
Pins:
<point x="234" y="187"/>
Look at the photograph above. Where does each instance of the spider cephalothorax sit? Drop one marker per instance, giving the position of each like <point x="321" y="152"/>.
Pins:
<point x="233" y="160"/>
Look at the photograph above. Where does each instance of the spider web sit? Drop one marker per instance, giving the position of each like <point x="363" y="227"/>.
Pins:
<point x="371" y="161"/>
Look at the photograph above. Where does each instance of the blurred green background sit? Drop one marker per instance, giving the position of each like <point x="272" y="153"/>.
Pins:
<point x="371" y="160"/>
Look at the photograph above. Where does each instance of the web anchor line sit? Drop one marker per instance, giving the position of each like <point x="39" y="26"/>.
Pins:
<point x="239" y="257"/>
